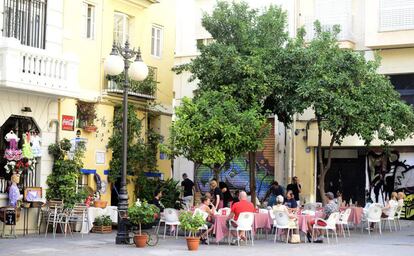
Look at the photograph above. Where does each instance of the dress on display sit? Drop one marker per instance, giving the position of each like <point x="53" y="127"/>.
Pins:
<point x="26" y="149"/>
<point x="12" y="153"/>
<point x="36" y="149"/>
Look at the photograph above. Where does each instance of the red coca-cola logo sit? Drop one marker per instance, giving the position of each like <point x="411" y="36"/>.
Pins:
<point x="68" y="123"/>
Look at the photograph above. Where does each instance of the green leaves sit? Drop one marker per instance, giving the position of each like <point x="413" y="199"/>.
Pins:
<point x="213" y="129"/>
<point x="191" y="222"/>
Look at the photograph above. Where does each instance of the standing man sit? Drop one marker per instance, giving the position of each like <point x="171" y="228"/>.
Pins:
<point x="188" y="187"/>
<point x="296" y="188"/>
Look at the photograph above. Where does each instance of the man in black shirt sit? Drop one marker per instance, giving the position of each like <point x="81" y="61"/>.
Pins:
<point x="296" y="188"/>
<point x="188" y="187"/>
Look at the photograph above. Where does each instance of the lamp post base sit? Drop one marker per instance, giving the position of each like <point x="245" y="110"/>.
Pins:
<point x="122" y="239"/>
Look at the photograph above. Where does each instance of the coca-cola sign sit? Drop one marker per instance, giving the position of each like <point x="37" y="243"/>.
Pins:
<point x="68" y="123"/>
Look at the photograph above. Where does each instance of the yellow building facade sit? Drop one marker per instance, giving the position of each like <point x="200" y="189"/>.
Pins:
<point x="90" y="28"/>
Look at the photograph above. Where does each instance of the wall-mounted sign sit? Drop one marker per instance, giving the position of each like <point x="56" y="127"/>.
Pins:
<point x="68" y="123"/>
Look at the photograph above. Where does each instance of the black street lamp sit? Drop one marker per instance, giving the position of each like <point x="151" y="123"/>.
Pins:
<point x="116" y="63"/>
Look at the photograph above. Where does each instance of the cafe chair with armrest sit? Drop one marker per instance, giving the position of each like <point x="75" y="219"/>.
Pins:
<point x="282" y="221"/>
<point x="171" y="219"/>
<point x="343" y="220"/>
<point x="330" y="224"/>
<point x="243" y="223"/>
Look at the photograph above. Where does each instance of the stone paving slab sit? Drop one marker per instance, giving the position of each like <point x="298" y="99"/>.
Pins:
<point x="399" y="243"/>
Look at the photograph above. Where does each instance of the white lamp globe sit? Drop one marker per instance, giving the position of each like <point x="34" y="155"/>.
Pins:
<point x="138" y="71"/>
<point x="113" y="65"/>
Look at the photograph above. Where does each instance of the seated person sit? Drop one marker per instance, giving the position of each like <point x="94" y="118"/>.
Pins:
<point x="391" y="206"/>
<point x="400" y="197"/>
<point x="291" y="200"/>
<point x="205" y="207"/>
<point x="157" y="200"/>
<point x="249" y="198"/>
<point x="242" y="206"/>
<point x="279" y="207"/>
<point x="328" y="209"/>
<point x="236" y="197"/>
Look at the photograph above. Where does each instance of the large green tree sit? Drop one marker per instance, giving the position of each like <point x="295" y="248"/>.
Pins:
<point x="247" y="60"/>
<point x="212" y="130"/>
<point x="349" y="97"/>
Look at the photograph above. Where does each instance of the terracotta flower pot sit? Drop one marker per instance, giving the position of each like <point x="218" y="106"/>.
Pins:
<point x="193" y="243"/>
<point x="140" y="240"/>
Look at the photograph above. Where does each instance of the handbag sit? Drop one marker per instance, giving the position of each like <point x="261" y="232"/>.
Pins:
<point x="295" y="239"/>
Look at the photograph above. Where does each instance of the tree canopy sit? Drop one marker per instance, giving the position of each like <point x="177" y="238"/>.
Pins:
<point x="349" y="97"/>
<point x="212" y="129"/>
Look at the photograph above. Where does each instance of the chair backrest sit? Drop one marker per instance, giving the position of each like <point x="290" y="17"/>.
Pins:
<point x="310" y="207"/>
<point x="374" y="212"/>
<point x="333" y="219"/>
<point x="245" y="221"/>
<point x="318" y="205"/>
<point x="345" y="215"/>
<point x="281" y="217"/>
<point x="200" y="212"/>
<point x="392" y="212"/>
<point x="398" y="211"/>
<point x="170" y="215"/>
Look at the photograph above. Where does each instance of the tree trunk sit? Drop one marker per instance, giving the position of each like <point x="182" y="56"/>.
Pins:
<point x="252" y="171"/>
<point x="323" y="169"/>
<point x="217" y="169"/>
<point x="197" y="186"/>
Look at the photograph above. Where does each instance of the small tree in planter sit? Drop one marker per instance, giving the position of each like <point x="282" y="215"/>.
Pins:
<point x="192" y="222"/>
<point x="102" y="224"/>
<point x="142" y="213"/>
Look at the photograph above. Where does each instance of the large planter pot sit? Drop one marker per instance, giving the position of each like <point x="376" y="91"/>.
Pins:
<point x="140" y="240"/>
<point x="193" y="243"/>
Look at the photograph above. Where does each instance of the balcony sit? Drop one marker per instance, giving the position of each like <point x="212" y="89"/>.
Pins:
<point x="138" y="90"/>
<point x="36" y="70"/>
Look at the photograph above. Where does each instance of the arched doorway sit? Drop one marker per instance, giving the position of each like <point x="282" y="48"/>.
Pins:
<point x="19" y="125"/>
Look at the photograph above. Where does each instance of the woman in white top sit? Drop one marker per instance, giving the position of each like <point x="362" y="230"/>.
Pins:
<point x="279" y="207"/>
<point x="391" y="206"/>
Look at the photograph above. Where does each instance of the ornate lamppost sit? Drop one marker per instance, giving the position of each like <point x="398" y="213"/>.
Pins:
<point x="117" y="62"/>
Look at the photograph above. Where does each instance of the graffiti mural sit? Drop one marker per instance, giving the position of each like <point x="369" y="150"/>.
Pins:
<point x="388" y="173"/>
<point x="236" y="175"/>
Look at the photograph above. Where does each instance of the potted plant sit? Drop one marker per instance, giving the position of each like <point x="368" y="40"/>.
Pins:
<point x="192" y="222"/>
<point x="102" y="224"/>
<point x="142" y="213"/>
<point x="86" y="113"/>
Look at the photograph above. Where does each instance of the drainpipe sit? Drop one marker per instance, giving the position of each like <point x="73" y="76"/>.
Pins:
<point x="56" y="122"/>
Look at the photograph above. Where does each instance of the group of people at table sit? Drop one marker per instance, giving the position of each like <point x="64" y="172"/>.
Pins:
<point x="220" y="197"/>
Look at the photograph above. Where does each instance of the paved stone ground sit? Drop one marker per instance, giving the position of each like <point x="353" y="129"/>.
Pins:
<point x="395" y="244"/>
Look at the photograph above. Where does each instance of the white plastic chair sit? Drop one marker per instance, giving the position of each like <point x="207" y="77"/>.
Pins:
<point x="227" y="210"/>
<point x="397" y="216"/>
<point x="373" y="216"/>
<point x="281" y="221"/>
<point x="171" y="219"/>
<point x="204" y="227"/>
<point x="390" y="218"/>
<point x="330" y="225"/>
<point x="343" y="220"/>
<point x="244" y="223"/>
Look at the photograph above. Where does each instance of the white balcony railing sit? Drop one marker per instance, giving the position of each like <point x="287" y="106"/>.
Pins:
<point x="33" y="69"/>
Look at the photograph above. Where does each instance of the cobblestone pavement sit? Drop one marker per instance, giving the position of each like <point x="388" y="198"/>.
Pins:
<point x="390" y="243"/>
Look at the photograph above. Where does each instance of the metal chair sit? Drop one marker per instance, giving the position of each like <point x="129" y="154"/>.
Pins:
<point x="54" y="208"/>
<point x="79" y="213"/>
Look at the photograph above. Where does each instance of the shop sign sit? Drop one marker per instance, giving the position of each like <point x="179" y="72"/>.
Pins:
<point x="68" y="123"/>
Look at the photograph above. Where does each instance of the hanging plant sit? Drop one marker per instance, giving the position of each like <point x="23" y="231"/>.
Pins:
<point x="86" y="113"/>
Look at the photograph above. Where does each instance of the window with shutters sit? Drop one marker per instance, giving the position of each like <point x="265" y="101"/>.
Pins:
<point x="396" y="15"/>
<point x="88" y="20"/>
<point x="404" y="84"/>
<point x="121" y="28"/>
<point x="330" y="13"/>
<point x="156" y="40"/>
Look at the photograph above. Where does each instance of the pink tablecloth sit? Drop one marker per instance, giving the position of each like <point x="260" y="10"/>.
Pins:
<point x="261" y="220"/>
<point x="303" y="220"/>
<point x="356" y="214"/>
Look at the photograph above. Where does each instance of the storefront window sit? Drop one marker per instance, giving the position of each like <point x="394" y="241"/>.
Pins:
<point x="20" y="152"/>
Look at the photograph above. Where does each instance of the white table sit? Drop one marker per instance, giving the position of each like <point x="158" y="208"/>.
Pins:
<point x="94" y="212"/>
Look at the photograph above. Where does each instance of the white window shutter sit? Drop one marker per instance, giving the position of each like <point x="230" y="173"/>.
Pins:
<point x="396" y="15"/>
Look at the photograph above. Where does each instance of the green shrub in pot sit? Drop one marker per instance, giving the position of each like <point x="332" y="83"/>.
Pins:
<point x="142" y="213"/>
